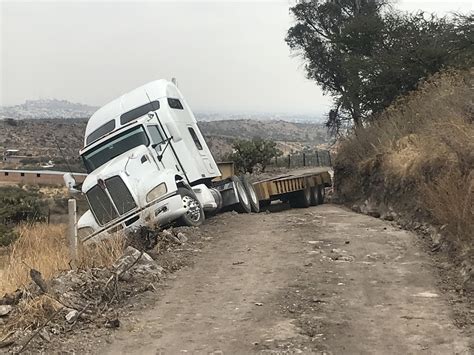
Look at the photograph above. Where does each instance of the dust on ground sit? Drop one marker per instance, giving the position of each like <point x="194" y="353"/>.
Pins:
<point x="323" y="279"/>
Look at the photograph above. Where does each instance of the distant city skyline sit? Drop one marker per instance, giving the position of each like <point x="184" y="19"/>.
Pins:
<point x="228" y="56"/>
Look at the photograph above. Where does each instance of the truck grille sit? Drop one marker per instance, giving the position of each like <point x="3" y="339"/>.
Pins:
<point x="103" y="208"/>
<point x="123" y="199"/>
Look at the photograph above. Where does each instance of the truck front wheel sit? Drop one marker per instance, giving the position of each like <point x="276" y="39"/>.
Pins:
<point x="194" y="215"/>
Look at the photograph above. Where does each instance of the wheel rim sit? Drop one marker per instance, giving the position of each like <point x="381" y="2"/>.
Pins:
<point x="193" y="210"/>
<point x="307" y="194"/>
<point x="242" y="193"/>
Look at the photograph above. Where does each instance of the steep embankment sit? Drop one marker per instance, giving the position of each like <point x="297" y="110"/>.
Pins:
<point x="415" y="165"/>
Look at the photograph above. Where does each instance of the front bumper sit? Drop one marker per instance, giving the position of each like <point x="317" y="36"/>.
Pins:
<point x="158" y="213"/>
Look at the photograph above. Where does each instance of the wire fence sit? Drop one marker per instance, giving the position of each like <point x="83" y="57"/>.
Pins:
<point x="301" y="159"/>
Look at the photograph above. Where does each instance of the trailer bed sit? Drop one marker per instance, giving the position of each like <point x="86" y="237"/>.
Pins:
<point x="281" y="186"/>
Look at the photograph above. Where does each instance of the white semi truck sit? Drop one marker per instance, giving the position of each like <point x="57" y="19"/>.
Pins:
<point x="148" y="163"/>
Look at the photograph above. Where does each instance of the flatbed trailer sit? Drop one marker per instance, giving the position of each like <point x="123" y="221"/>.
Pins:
<point x="302" y="188"/>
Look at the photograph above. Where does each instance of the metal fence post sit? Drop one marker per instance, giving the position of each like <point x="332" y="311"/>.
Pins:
<point x="72" y="231"/>
<point x="317" y="159"/>
<point x="289" y="161"/>
<point x="304" y="159"/>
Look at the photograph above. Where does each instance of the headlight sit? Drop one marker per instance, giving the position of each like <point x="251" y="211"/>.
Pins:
<point x="84" y="232"/>
<point x="157" y="192"/>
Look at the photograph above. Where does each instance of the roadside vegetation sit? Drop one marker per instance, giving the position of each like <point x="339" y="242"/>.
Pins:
<point x="44" y="248"/>
<point x="417" y="158"/>
<point x="254" y="154"/>
<point x="18" y="205"/>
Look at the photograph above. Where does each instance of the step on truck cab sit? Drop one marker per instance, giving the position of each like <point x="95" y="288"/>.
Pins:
<point x="148" y="163"/>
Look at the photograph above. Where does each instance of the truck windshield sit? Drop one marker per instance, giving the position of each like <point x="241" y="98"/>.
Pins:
<point x="114" y="147"/>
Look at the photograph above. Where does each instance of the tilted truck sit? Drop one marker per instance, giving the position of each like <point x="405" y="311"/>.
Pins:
<point x="148" y="163"/>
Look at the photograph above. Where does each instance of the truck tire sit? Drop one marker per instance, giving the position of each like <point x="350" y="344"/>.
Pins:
<point x="314" y="196"/>
<point x="244" y="201"/>
<point x="218" y="198"/>
<point x="195" y="215"/>
<point x="301" y="199"/>
<point x="250" y="190"/>
<point x="321" y="194"/>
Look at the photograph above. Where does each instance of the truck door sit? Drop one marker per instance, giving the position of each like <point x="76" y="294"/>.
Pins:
<point x="162" y="148"/>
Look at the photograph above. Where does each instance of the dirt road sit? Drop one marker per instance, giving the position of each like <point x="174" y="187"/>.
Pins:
<point x="314" y="280"/>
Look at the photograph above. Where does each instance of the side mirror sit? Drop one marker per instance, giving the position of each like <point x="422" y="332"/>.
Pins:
<point x="70" y="183"/>
<point x="174" y="131"/>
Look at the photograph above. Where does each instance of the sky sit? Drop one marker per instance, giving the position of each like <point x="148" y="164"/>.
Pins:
<point x="227" y="56"/>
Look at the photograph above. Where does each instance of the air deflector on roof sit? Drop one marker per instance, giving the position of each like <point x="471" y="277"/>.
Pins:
<point x="139" y="112"/>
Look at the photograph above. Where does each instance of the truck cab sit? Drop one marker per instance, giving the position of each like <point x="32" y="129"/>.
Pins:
<point x="147" y="162"/>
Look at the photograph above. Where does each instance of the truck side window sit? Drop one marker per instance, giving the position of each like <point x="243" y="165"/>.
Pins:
<point x="195" y="138"/>
<point x="175" y="103"/>
<point x="155" y="135"/>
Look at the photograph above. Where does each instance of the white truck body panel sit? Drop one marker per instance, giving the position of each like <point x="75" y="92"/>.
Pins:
<point x="197" y="163"/>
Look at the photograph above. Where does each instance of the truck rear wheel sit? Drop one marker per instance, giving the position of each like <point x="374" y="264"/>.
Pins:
<point x="244" y="202"/>
<point x="314" y="196"/>
<point x="321" y="194"/>
<point x="254" y="203"/>
<point x="301" y="199"/>
<point x="194" y="215"/>
<point x="219" y="202"/>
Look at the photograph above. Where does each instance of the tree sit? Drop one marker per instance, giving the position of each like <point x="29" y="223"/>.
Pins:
<point x="248" y="153"/>
<point x="365" y="55"/>
<point x="335" y="39"/>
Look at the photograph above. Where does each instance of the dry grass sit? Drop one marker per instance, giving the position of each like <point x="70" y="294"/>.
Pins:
<point x="418" y="156"/>
<point x="44" y="248"/>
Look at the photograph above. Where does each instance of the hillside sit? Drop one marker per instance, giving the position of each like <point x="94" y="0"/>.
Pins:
<point x="276" y="130"/>
<point x="48" y="108"/>
<point x="37" y="140"/>
<point x="415" y="165"/>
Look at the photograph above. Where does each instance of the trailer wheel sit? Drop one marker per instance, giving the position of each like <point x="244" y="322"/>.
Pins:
<point x="314" y="196"/>
<point x="194" y="215"/>
<point x="244" y="202"/>
<point x="301" y="199"/>
<point x="321" y="194"/>
<point x="250" y="190"/>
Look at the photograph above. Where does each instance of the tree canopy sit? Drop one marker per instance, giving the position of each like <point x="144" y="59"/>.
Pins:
<point x="365" y="54"/>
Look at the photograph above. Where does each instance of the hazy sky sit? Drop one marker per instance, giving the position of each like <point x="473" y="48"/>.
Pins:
<point x="227" y="56"/>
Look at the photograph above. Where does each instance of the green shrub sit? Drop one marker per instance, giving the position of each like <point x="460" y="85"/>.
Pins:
<point x="248" y="153"/>
<point x="18" y="205"/>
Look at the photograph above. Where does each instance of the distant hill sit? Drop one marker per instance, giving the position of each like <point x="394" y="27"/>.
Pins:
<point x="220" y="116"/>
<point x="277" y="130"/>
<point x="38" y="139"/>
<point x="49" y="108"/>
